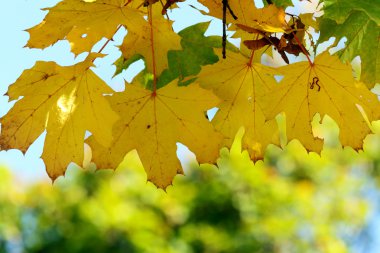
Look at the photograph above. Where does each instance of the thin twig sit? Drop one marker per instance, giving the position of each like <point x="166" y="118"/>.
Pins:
<point x="231" y="12"/>
<point x="224" y="40"/>
<point x="226" y="7"/>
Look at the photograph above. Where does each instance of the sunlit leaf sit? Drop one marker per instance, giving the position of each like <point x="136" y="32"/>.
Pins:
<point x="84" y="23"/>
<point x="240" y="85"/>
<point x="328" y="88"/>
<point x="64" y="101"/>
<point x="152" y="123"/>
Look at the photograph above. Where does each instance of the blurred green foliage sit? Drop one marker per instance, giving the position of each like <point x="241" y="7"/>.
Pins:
<point x="292" y="202"/>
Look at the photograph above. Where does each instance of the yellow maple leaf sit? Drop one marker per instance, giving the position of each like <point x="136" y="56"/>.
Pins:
<point x="267" y="19"/>
<point x="153" y="40"/>
<point x="240" y="85"/>
<point x="243" y="10"/>
<point x="153" y="122"/>
<point x="308" y="20"/>
<point x="66" y="101"/>
<point x="84" y="23"/>
<point x="328" y="88"/>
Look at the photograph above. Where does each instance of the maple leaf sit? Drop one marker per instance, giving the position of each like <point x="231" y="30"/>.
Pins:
<point x="66" y="101"/>
<point x="335" y="10"/>
<point x="84" y="23"/>
<point x="328" y="88"/>
<point x="243" y="10"/>
<point x="153" y="40"/>
<point x="309" y="21"/>
<point x="362" y="40"/>
<point x="267" y="19"/>
<point x="152" y="123"/>
<point x="240" y="85"/>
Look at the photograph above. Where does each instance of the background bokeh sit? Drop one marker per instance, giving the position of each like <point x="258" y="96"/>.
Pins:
<point x="291" y="202"/>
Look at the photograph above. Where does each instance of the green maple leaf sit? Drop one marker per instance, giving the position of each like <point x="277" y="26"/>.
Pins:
<point x="197" y="51"/>
<point x="362" y="35"/>
<point x="122" y="63"/>
<point x="338" y="11"/>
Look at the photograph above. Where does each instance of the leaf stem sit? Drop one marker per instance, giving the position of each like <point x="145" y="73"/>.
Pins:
<point x="108" y="41"/>
<point x="303" y="49"/>
<point x="251" y="58"/>
<point x="150" y="18"/>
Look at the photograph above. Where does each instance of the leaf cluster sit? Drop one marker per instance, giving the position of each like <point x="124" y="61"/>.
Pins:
<point x="184" y="77"/>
